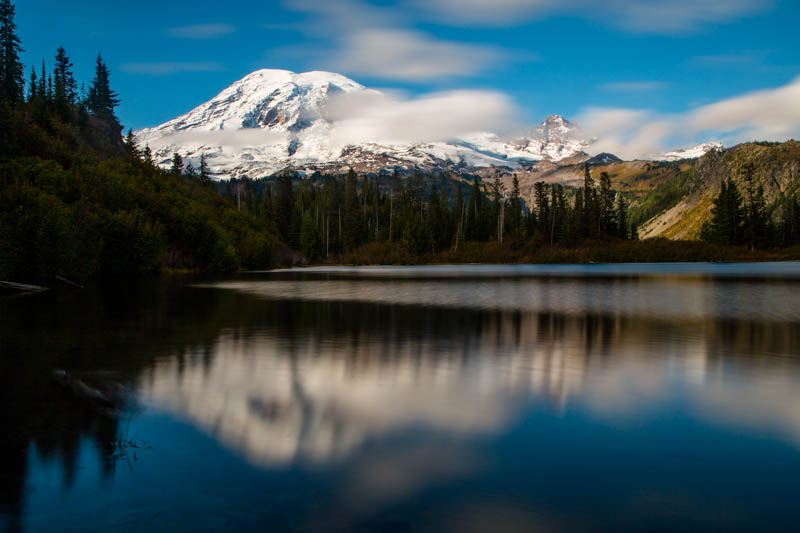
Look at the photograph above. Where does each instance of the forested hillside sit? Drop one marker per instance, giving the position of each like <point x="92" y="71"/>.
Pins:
<point x="681" y="206"/>
<point x="76" y="200"/>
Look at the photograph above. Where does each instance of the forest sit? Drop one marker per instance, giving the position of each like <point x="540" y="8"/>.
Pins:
<point x="331" y="215"/>
<point x="76" y="199"/>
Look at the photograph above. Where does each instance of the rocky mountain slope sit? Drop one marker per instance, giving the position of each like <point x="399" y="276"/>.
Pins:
<point x="777" y="169"/>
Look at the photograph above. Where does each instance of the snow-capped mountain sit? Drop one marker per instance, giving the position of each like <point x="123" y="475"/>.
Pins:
<point x="273" y="119"/>
<point x="690" y="153"/>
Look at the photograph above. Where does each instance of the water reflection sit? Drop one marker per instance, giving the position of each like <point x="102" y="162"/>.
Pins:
<point x="673" y="297"/>
<point x="323" y="376"/>
<point x="449" y="404"/>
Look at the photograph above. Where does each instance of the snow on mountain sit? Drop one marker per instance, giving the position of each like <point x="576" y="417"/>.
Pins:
<point x="273" y="119"/>
<point x="691" y="153"/>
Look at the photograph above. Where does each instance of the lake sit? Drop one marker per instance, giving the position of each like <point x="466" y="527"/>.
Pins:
<point x="464" y="398"/>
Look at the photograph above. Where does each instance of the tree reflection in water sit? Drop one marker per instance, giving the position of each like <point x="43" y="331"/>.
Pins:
<point x="309" y="370"/>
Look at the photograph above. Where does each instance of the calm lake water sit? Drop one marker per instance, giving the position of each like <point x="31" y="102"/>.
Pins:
<point x="510" y="398"/>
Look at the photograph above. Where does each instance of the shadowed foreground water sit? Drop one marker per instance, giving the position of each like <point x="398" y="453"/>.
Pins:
<point x="580" y="398"/>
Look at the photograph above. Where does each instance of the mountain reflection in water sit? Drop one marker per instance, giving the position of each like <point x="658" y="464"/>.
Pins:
<point x="390" y="402"/>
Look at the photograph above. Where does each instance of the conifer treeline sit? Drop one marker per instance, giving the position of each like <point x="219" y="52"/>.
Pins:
<point x="744" y="220"/>
<point x="331" y="215"/>
<point x="76" y="201"/>
<point x="56" y="91"/>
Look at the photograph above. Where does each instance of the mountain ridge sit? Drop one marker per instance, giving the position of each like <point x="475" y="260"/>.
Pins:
<point x="274" y="119"/>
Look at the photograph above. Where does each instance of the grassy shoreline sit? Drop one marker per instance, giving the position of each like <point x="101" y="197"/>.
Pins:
<point x="648" y="251"/>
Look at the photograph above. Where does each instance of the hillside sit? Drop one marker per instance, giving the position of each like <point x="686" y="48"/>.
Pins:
<point x="776" y="167"/>
<point x="76" y="201"/>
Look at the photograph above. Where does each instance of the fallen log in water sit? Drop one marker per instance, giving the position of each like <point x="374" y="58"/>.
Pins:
<point x="68" y="282"/>
<point x="112" y="398"/>
<point x="20" y="286"/>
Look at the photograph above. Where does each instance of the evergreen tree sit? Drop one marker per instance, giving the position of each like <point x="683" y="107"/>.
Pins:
<point x="130" y="144"/>
<point x="205" y="175"/>
<point x="101" y="100"/>
<point x="395" y="188"/>
<point x="310" y="238"/>
<point x="42" y="90"/>
<point x="65" y="89"/>
<point x="177" y="164"/>
<point x="585" y="222"/>
<point x="283" y="205"/>
<point x="267" y="209"/>
<point x="458" y="215"/>
<point x="33" y="86"/>
<point x="147" y="155"/>
<point x="790" y="223"/>
<point x="606" y="206"/>
<point x="540" y="196"/>
<point x="12" y="73"/>
<point x="727" y="216"/>
<point x="474" y="230"/>
<point x="514" y="212"/>
<point x="190" y="171"/>
<point x="580" y="220"/>
<point x="756" y="222"/>
<point x="352" y="213"/>
<point x="622" y="217"/>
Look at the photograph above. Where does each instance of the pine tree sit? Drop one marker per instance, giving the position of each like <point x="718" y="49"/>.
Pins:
<point x="190" y="170"/>
<point x="310" y="238"/>
<point x="205" y="175"/>
<point x="475" y="230"/>
<point x="606" y="206"/>
<point x="101" y="100"/>
<point x="727" y="216"/>
<point x="622" y="217"/>
<point x="283" y="205"/>
<point x="514" y="215"/>
<point x="147" y="155"/>
<point x="458" y="215"/>
<point x="130" y="144"/>
<point x="177" y="164"/>
<point x="267" y="209"/>
<point x="12" y="73"/>
<point x="66" y="89"/>
<point x="352" y="213"/>
<point x="790" y="223"/>
<point x="755" y="222"/>
<point x="580" y="220"/>
<point x="33" y="87"/>
<point x="585" y="221"/>
<point x="42" y="90"/>
<point x="540" y="195"/>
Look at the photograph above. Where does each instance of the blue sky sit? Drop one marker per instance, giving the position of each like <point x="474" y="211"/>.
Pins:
<point x="569" y="57"/>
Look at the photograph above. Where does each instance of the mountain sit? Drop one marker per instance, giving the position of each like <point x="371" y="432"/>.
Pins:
<point x="273" y="119"/>
<point x="776" y="166"/>
<point x="690" y="153"/>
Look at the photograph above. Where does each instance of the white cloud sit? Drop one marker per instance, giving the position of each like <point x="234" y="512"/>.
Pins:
<point x="234" y="140"/>
<point x="202" y="31"/>
<point x="404" y="54"/>
<point x="650" y="16"/>
<point x="772" y="114"/>
<point x="769" y="115"/>
<point x="633" y="86"/>
<point x="434" y="117"/>
<point x="376" y="41"/>
<point x="168" y="68"/>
